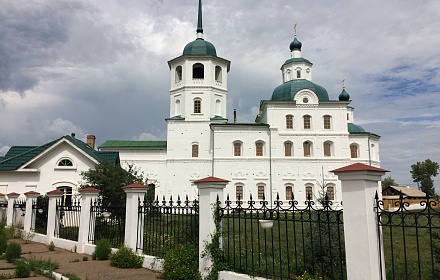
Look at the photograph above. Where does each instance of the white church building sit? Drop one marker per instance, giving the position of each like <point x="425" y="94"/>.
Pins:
<point x="299" y="134"/>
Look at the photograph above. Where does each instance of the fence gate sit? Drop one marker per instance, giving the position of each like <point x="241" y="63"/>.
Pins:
<point x="410" y="237"/>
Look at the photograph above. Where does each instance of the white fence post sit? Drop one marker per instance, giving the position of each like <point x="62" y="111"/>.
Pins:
<point x="29" y="216"/>
<point x="87" y="196"/>
<point x="3" y="209"/>
<point x="52" y="213"/>
<point x="209" y="189"/>
<point x="359" y="185"/>
<point x="10" y="215"/>
<point x="134" y="192"/>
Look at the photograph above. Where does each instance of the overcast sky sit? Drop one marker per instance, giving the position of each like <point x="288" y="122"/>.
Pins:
<point x="100" y="67"/>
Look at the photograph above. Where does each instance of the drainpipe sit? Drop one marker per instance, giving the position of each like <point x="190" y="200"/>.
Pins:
<point x="369" y="150"/>
<point x="213" y="149"/>
<point x="270" y="164"/>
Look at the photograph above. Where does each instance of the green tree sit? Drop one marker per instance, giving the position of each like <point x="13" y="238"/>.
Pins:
<point x="388" y="181"/>
<point x="422" y="173"/>
<point x="110" y="179"/>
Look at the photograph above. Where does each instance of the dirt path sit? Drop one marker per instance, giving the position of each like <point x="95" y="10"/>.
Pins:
<point x="70" y="262"/>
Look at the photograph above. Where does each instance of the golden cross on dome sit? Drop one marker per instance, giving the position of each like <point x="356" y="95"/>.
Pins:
<point x="343" y="82"/>
<point x="294" y="29"/>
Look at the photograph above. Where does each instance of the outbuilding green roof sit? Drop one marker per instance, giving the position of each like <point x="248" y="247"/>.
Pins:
<point x="126" y="144"/>
<point x="297" y="59"/>
<point x="19" y="155"/>
<point x="288" y="90"/>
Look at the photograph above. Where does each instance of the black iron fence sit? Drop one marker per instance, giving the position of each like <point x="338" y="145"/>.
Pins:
<point x="19" y="210"/>
<point x="67" y="219"/>
<point x="163" y="225"/>
<point x="3" y="211"/>
<point x="40" y="208"/>
<point x="283" y="241"/>
<point x="410" y="238"/>
<point x="107" y="222"/>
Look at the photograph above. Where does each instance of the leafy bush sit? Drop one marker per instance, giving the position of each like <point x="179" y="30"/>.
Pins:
<point x="22" y="270"/>
<point x="51" y="246"/>
<point x="182" y="262"/>
<point x="126" y="258"/>
<point x="103" y="249"/>
<point x="43" y="267"/>
<point x="13" y="251"/>
<point x="3" y="239"/>
<point x="71" y="276"/>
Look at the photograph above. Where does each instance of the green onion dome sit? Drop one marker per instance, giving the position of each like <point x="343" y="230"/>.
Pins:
<point x="344" y="96"/>
<point x="288" y="90"/>
<point x="295" y="45"/>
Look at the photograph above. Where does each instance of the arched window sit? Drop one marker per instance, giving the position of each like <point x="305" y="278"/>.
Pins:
<point x="237" y="148"/>
<point x="218" y="74"/>
<point x="309" y="192"/>
<point x="65" y="162"/>
<point x="177" y="108"/>
<point x="239" y="192"/>
<point x="288" y="148"/>
<point x="195" y="150"/>
<point x="178" y="77"/>
<point x="259" y="146"/>
<point x="307" y="121"/>
<point x="197" y="105"/>
<point x="198" y="71"/>
<point x="289" y="193"/>
<point x="288" y="75"/>
<point x="67" y="197"/>
<point x="218" y="107"/>
<point x="298" y="74"/>
<point x="327" y="149"/>
<point x="261" y="192"/>
<point x="331" y="192"/>
<point x="307" y="146"/>
<point x="289" y="121"/>
<point x="327" y="122"/>
<point x="354" y="151"/>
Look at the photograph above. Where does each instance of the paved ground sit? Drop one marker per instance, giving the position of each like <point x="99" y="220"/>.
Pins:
<point x="73" y="263"/>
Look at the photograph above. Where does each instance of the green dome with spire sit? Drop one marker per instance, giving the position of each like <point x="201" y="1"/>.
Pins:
<point x="295" y="45"/>
<point x="199" y="46"/>
<point x="344" y="96"/>
<point x="287" y="91"/>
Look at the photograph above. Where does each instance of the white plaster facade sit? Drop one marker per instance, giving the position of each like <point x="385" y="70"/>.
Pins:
<point x="201" y="142"/>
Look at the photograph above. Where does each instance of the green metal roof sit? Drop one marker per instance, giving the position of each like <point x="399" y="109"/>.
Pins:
<point x="287" y="91"/>
<point x="134" y="144"/>
<point x="297" y="59"/>
<point x="19" y="155"/>
<point x="199" y="47"/>
<point x="353" y="128"/>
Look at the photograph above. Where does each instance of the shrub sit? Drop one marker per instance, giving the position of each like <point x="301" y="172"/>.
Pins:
<point x="85" y="258"/>
<point x="51" y="246"/>
<point x="22" y="270"/>
<point x="103" y="249"/>
<point x="72" y="276"/>
<point x="13" y="251"/>
<point x="182" y="262"/>
<point x="125" y="258"/>
<point x="3" y="242"/>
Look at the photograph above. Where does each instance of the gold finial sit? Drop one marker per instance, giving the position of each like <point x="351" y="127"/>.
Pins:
<point x="343" y="83"/>
<point x="294" y="29"/>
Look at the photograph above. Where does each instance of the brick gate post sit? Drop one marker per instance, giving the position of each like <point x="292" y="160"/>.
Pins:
<point x="359" y="185"/>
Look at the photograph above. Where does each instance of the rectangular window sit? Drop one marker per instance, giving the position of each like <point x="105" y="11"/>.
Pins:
<point x="309" y="193"/>
<point x="259" y="149"/>
<point x="195" y="150"/>
<point x="197" y="106"/>
<point x="237" y="149"/>
<point x="354" y="151"/>
<point x="288" y="149"/>
<point x="289" y="121"/>
<point x="327" y="122"/>
<point x="307" y="149"/>
<point x="239" y="192"/>
<point x="307" y="120"/>
<point x="288" y="193"/>
<point x="331" y="193"/>
<point x="261" y="192"/>
<point x="327" y="149"/>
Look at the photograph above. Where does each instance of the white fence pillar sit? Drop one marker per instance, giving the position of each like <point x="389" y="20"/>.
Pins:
<point x="209" y="189"/>
<point x="3" y="207"/>
<point x="10" y="214"/>
<point x="29" y="216"/>
<point x="52" y="213"/>
<point x="359" y="185"/>
<point x="134" y="192"/>
<point x="87" y="196"/>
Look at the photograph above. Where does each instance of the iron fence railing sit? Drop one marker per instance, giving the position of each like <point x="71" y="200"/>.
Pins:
<point x="163" y="225"/>
<point x="283" y="241"/>
<point x="67" y="219"/>
<point x="3" y="211"/>
<point x="40" y="208"/>
<point x="107" y="222"/>
<point x="19" y="210"/>
<point x="409" y="235"/>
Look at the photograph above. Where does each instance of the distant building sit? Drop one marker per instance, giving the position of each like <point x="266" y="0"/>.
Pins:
<point x="299" y="134"/>
<point x="391" y="196"/>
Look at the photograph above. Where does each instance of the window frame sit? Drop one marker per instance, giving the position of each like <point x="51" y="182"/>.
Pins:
<point x="354" y="147"/>
<point x="261" y="192"/>
<point x="307" y="122"/>
<point x="289" y="121"/>
<point x="288" y="152"/>
<point x="309" y="190"/>
<point x="307" y="149"/>
<point x="327" y="147"/>
<point x="195" y="150"/>
<point x="196" y="74"/>
<point x="289" y="192"/>
<point x="197" y="106"/>
<point x="239" y="192"/>
<point x="237" y="148"/>
<point x="259" y="148"/>
<point x="327" y="119"/>
<point x="330" y="191"/>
